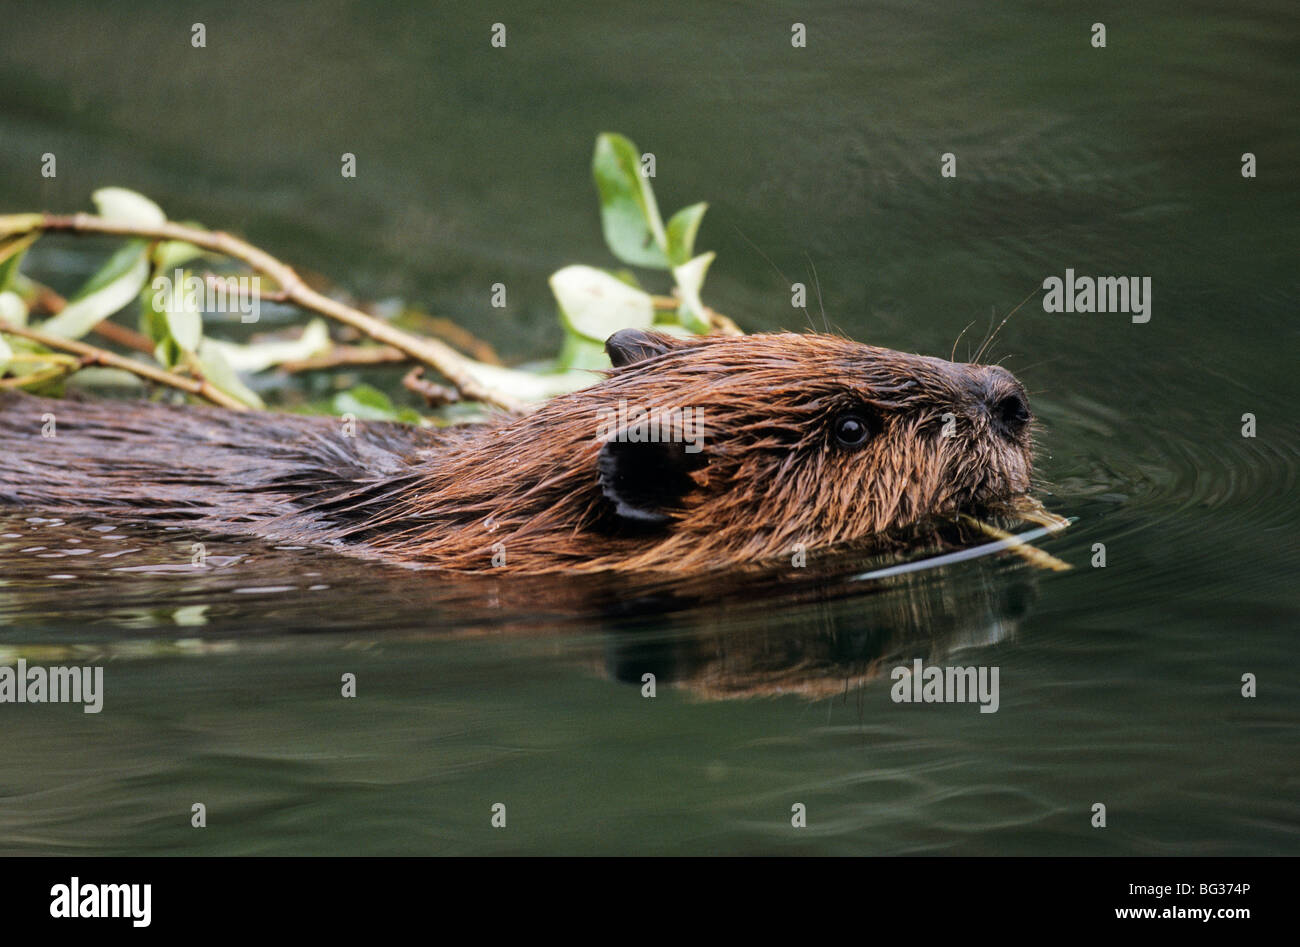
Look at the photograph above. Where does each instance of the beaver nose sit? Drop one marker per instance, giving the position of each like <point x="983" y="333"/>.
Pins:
<point x="1001" y="398"/>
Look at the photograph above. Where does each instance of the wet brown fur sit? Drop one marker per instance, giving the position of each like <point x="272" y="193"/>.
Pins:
<point x="526" y="489"/>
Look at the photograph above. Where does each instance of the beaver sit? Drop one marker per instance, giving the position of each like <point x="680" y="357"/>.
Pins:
<point x="691" y="454"/>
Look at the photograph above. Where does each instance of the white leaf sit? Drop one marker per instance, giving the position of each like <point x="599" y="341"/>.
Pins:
<point x="527" y="386"/>
<point x="690" y="277"/>
<point x="12" y="309"/>
<point x="596" y="304"/>
<point x="218" y="371"/>
<point x="117" y="203"/>
<point x="259" y="356"/>
<point x="184" y="323"/>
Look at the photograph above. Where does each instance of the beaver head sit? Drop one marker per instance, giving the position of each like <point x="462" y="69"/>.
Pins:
<point x="718" y="451"/>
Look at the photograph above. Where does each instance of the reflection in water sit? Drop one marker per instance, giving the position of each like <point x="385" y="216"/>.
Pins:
<point x="816" y="632"/>
<point x="826" y="650"/>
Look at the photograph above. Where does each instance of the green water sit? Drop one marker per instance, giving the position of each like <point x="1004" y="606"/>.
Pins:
<point x="1119" y="685"/>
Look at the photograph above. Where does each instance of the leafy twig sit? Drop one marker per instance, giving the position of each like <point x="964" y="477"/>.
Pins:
<point x="451" y="364"/>
<point x="95" y="356"/>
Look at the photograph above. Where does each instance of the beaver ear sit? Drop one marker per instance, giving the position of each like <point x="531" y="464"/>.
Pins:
<point x="635" y="345"/>
<point x="645" y="481"/>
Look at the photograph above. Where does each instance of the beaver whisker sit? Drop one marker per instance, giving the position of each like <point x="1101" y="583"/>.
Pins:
<point x="989" y="341"/>
<point x="953" y="354"/>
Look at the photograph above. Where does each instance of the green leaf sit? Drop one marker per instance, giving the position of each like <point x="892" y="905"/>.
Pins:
<point x="595" y="304"/>
<point x="219" y="373"/>
<point x="168" y="254"/>
<point x="170" y="315"/>
<point x="11" y="257"/>
<point x="690" y="277"/>
<point x="118" y="203"/>
<point x="167" y="353"/>
<point x="123" y="260"/>
<point x="115" y="284"/>
<point x="682" y="228"/>
<point x="625" y="275"/>
<point x="365" y="403"/>
<point x="629" y="215"/>
<point x="370" y="404"/>
<point x="173" y="253"/>
<point x="152" y="322"/>
<point x="6" y="353"/>
<point x="579" y="352"/>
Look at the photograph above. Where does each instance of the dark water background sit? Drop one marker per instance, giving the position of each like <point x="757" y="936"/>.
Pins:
<point x="1118" y="685"/>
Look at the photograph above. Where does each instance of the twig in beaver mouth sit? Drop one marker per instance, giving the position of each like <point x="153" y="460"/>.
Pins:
<point x="1031" y="554"/>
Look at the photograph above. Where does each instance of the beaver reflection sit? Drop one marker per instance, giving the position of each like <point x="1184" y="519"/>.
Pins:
<point x="842" y="640"/>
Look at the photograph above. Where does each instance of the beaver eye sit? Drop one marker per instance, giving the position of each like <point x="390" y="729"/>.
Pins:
<point x="1013" y="413"/>
<point x="851" y="430"/>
